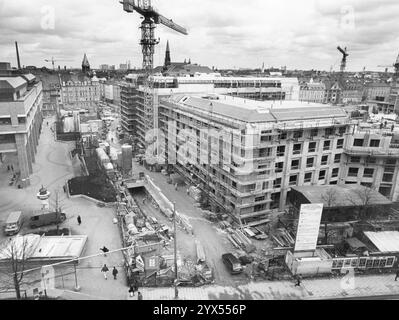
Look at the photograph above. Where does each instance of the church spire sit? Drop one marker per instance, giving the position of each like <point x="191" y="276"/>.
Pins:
<point x="167" y="55"/>
<point x="85" y="64"/>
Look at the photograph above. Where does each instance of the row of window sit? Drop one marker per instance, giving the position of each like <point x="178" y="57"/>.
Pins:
<point x="311" y="148"/>
<point x="307" y="178"/>
<point x="374" y="143"/>
<point x="310" y="162"/>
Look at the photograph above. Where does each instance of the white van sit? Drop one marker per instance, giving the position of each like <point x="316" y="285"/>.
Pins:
<point x="13" y="223"/>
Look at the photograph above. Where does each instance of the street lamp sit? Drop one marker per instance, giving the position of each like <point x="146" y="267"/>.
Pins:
<point x="175" y="250"/>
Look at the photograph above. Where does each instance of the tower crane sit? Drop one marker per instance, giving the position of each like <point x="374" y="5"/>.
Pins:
<point x="151" y="17"/>
<point x="54" y="61"/>
<point x="345" y="55"/>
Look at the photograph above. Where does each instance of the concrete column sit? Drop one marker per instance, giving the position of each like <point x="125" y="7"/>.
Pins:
<point x="31" y="155"/>
<point x="23" y="161"/>
<point x="31" y="148"/>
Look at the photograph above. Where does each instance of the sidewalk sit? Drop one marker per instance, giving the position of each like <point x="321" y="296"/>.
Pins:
<point x="364" y="286"/>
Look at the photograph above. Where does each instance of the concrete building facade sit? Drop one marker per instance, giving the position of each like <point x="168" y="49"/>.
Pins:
<point x="137" y="119"/>
<point x="246" y="155"/>
<point x="20" y="120"/>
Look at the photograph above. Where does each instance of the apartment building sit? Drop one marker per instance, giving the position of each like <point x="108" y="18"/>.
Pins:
<point x="20" y="120"/>
<point x="139" y="118"/>
<point x="246" y="154"/>
<point x="312" y="91"/>
<point x="80" y="93"/>
<point x="370" y="159"/>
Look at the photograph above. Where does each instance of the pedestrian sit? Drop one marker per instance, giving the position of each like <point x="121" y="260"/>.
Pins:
<point x="176" y="186"/>
<point x="298" y="281"/>
<point x="144" y="201"/>
<point x="397" y="275"/>
<point x="105" y="250"/>
<point x="188" y="192"/>
<point x="139" y="296"/>
<point x="131" y="291"/>
<point x="392" y="127"/>
<point x="104" y="270"/>
<point x="12" y="168"/>
<point x="114" y="273"/>
<point x="79" y="220"/>
<point x="8" y="168"/>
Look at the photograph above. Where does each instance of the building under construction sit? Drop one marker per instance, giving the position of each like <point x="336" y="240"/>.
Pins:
<point x="246" y="154"/>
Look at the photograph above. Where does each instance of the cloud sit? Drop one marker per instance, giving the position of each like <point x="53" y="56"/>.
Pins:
<point x="224" y="33"/>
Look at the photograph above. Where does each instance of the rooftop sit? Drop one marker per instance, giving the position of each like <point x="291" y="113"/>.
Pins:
<point x="385" y="241"/>
<point x="344" y="195"/>
<point x="259" y="111"/>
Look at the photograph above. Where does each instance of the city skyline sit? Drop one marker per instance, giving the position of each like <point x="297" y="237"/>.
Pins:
<point x="289" y="33"/>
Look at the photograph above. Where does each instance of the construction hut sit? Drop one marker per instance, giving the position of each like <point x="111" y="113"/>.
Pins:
<point x="342" y="203"/>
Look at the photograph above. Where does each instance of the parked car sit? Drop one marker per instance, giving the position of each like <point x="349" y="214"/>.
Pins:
<point x="232" y="263"/>
<point x="45" y="219"/>
<point x="13" y="223"/>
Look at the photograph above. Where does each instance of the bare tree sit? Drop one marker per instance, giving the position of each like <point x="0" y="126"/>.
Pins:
<point x="330" y="199"/>
<point x="362" y="197"/>
<point x="14" y="254"/>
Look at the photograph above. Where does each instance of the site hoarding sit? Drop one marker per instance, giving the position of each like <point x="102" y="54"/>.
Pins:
<point x="308" y="227"/>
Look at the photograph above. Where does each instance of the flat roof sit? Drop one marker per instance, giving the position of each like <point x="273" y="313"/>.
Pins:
<point x="345" y="195"/>
<point x="13" y="82"/>
<point x="260" y="111"/>
<point x="385" y="241"/>
<point x="45" y="248"/>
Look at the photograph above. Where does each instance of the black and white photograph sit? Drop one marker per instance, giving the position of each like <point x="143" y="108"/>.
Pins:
<point x="215" y="152"/>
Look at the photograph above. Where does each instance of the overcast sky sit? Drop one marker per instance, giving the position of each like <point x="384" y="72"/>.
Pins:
<point x="300" y="34"/>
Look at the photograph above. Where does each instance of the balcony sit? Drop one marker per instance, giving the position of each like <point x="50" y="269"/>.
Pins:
<point x="373" y="152"/>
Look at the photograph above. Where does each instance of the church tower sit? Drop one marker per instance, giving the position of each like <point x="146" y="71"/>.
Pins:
<point x="167" y="56"/>
<point x="85" y="64"/>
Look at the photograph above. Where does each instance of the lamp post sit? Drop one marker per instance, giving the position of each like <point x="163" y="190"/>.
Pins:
<point x="175" y="250"/>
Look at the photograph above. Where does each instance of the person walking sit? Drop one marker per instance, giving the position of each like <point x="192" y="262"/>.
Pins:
<point x="131" y="291"/>
<point x="176" y="185"/>
<point x="105" y="250"/>
<point x="79" y="220"/>
<point x="12" y="168"/>
<point x="115" y="273"/>
<point x="139" y="296"/>
<point x="105" y="270"/>
<point x="298" y="281"/>
<point x="397" y="275"/>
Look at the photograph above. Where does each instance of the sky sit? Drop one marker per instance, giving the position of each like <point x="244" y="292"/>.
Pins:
<point x="299" y="34"/>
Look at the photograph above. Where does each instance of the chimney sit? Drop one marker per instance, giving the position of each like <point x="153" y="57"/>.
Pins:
<point x="18" y="60"/>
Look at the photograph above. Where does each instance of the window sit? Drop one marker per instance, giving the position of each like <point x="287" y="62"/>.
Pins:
<point x="353" y="172"/>
<point x="329" y="132"/>
<point x="259" y="199"/>
<point x="374" y="143"/>
<point x="385" y="191"/>
<point x="312" y="147"/>
<point x="337" y="158"/>
<point x="327" y="145"/>
<point x="335" y="173"/>
<point x="371" y="160"/>
<point x="387" y="177"/>
<point x="368" y="173"/>
<point x="298" y="134"/>
<point x="280" y="151"/>
<point x="308" y="177"/>
<point x="310" y="163"/>
<point x="358" y="142"/>
<point x="342" y="130"/>
<point x="314" y="132"/>
<point x="322" y="175"/>
<point x="279" y="167"/>
<point x="277" y="183"/>
<point x="295" y="165"/>
<point x="283" y="136"/>
<point x="340" y="143"/>
<point x="390" y="162"/>
<point x="297" y="148"/>
<point x="355" y="159"/>
<point x="324" y="160"/>
<point x="265" y="152"/>
<point x="293" y="180"/>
